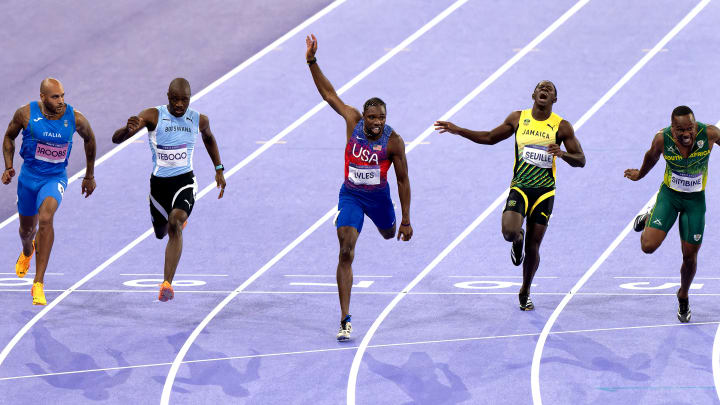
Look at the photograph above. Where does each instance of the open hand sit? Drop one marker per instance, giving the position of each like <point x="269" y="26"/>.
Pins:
<point x="446" y="126"/>
<point x="632" y="174"/>
<point x="311" y="43"/>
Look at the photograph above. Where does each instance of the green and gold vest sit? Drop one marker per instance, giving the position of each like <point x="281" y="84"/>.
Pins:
<point x="686" y="175"/>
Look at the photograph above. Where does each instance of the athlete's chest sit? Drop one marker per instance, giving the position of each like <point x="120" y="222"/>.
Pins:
<point x="361" y="150"/>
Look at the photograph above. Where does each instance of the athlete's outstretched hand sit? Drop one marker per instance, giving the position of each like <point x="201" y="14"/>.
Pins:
<point x="405" y="232"/>
<point x="311" y="43"/>
<point x="446" y="126"/>
<point x="632" y="174"/>
<point x="133" y="124"/>
<point x="88" y="186"/>
<point x="220" y="180"/>
<point x="555" y="150"/>
<point x="8" y="175"/>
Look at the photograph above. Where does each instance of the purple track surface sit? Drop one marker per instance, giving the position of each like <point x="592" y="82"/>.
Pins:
<point x="457" y="336"/>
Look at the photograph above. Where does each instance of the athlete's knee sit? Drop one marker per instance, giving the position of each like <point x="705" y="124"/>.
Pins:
<point x="26" y="232"/>
<point x="388" y="233"/>
<point x="176" y="222"/>
<point x="510" y="235"/>
<point x="690" y="260"/>
<point x="648" y="246"/>
<point x="347" y="253"/>
<point x="45" y="219"/>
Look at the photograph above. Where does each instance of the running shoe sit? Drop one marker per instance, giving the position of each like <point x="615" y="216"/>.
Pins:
<point x="516" y="250"/>
<point x="345" y="329"/>
<point x="684" y="314"/>
<point x="23" y="262"/>
<point x="166" y="292"/>
<point x="639" y="223"/>
<point x="526" y="303"/>
<point x="38" y="294"/>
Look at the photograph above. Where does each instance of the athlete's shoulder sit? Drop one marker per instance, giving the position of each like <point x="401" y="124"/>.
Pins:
<point x="22" y="115"/>
<point x="203" y="121"/>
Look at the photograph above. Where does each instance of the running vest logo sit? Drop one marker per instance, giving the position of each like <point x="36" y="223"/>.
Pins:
<point x="172" y="156"/>
<point x="37" y="119"/>
<point x="177" y="128"/>
<point x="697" y="237"/>
<point x="537" y="155"/>
<point x="52" y="134"/>
<point x="50" y="153"/>
<point x="65" y="123"/>
<point x="526" y="121"/>
<point x="532" y="132"/>
<point x="364" y="155"/>
<point x="551" y="127"/>
<point x="700" y="143"/>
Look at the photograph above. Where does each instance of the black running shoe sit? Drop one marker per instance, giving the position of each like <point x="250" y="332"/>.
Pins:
<point x="516" y="250"/>
<point x="526" y="303"/>
<point x="639" y="223"/>
<point x="684" y="313"/>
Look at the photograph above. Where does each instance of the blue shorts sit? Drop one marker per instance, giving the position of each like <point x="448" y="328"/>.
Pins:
<point x="354" y="205"/>
<point x="33" y="189"/>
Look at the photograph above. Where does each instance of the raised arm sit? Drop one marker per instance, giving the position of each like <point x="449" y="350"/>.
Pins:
<point x="17" y="123"/>
<point x="82" y="126"/>
<point x="212" y="149"/>
<point x="396" y="150"/>
<point x="351" y="115"/>
<point x="574" y="156"/>
<point x="500" y="133"/>
<point x="651" y="158"/>
<point x="147" y="118"/>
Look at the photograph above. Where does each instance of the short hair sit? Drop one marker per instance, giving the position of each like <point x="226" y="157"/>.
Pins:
<point x="374" y="102"/>
<point x="680" y="111"/>
<point x="553" y="84"/>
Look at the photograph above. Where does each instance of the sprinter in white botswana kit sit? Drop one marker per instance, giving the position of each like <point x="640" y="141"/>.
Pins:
<point x="371" y="148"/>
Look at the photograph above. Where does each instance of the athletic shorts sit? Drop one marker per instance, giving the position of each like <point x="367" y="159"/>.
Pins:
<point x="169" y="193"/>
<point x="354" y="205"/>
<point x="690" y="207"/>
<point x="534" y="203"/>
<point x="33" y="189"/>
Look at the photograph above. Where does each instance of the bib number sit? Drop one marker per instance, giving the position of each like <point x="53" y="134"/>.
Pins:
<point x="50" y="153"/>
<point x="686" y="183"/>
<point x="172" y="156"/>
<point x="537" y="155"/>
<point x="369" y="176"/>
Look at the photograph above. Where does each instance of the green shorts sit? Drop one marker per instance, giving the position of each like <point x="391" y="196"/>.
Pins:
<point x="690" y="206"/>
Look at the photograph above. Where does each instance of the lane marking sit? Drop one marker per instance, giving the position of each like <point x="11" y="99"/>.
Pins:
<point x="715" y="359"/>
<point x="328" y="275"/>
<point x="355" y="367"/>
<point x="534" y="278"/>
<point x="176" y="275"/>
<point x="344" y="348"/>
<point x="227" y="76"/>
<point x="537" y="355"/>
<point x="167" y="388"/>
<point x="359" y="284"/>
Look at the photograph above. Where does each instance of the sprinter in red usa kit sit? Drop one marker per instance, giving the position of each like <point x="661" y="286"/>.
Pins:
<point x="372" y="146"/>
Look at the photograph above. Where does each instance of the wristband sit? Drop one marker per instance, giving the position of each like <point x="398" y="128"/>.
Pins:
<point x="89" y="178"/>
<point x="401" y="224"/>
<point x="8" y="168"/>
<point x="220" y="167"/>
<point x="311" y="61"/>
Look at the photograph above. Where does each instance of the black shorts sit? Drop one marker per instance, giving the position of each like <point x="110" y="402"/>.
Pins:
<point x="169" y="193"/>
<point x="534" y="203"/>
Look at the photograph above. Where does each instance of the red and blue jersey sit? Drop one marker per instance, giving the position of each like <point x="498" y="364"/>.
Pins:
<point x="366" y="162"/>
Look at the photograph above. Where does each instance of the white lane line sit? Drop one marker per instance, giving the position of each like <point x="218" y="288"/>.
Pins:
<point x="328" y="275"/>
<point x="227" y="76"/>
<point x="355" y="367"/>
<point x="716" y="361"/>
<point x="336" y="349"/>
<point x="534" y="278"/>
<point x="537" y="355"/>
<point x="670" y="277"/>
<point x="176" y="275"/>
<point x="167" y="388"/>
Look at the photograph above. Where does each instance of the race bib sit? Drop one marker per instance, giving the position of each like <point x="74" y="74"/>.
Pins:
<point x="50" y="153"/>
<point x="367" y="176"/>
<point x="537" y="155"/>
<point x="172" y="156"/>
<point x="686" y="183"/>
